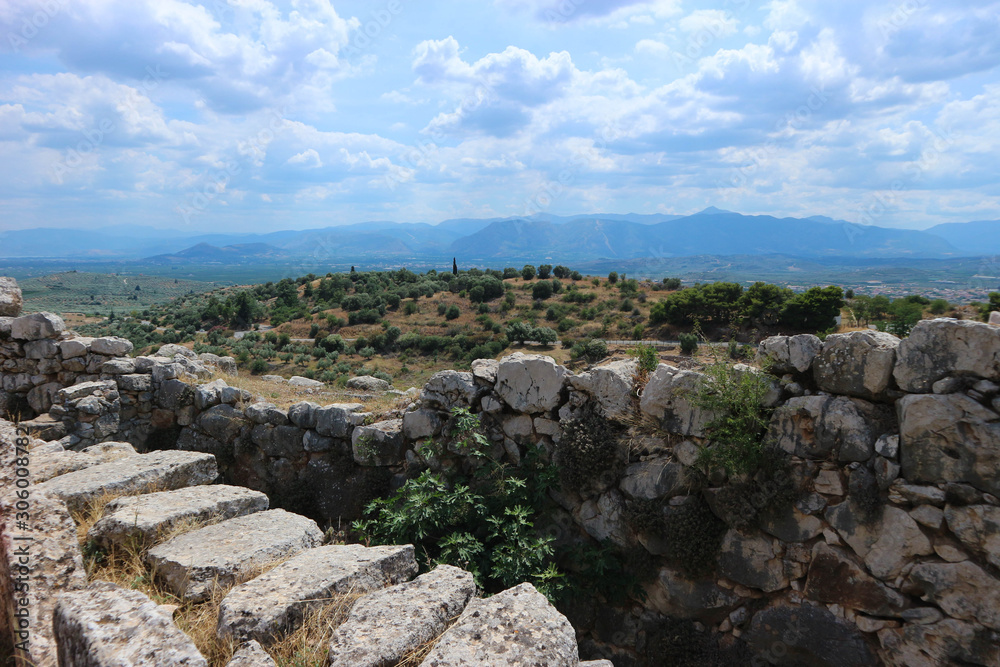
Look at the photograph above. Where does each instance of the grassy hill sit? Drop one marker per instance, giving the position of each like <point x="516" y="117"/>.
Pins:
<point x="78" y="292"/>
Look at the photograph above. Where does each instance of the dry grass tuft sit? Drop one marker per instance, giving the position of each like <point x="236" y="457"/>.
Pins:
<point x="309" y="645"/>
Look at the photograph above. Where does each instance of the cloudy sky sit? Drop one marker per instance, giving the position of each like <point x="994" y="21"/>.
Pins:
<point x="258" y="114"/>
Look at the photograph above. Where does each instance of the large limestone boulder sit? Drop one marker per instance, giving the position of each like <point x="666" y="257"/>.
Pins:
<point x="947" y="642"/>
<point x="337" y="420"/>
<point x="859" y="363"/>
<point x="978" y="527"/>
<point x="668" y="398"/>
<point x="752" y="561"/>
<point x="610" y="386"/>
<point x="674" y="594"/>
<point x="367" y="383"/>
<point x="949" y="438"/>
<point x="37" y="326"/>
<point x="386" y="625"/>
<point x="449" y="389"/>
<point x="962" y="590"/>
<point x="654" y="478"/>
<point x="111" y="346"/>
<point x="886" y="545"/>
<point x="251" y="654"/>
<point x="10" y="297"/>
<point x="517" y="627"/>
<point x="835" y="578"/>
<point x="380" y="444"/>
<point x="806" y="636"/>
<point x="788" y="354"/>
<point x="816" y="426"/>
<point x="995" y="318"/>
<point x="106" y="625"/>
<point x="299" y="381"/>
<point x="171" y="350"/>
<point x="530" y="382"/>
<point x="939" y="348"/>
<point x="45" y="466"/>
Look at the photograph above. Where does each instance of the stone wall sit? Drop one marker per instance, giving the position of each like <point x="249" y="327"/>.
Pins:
<point x="890" y="553"/>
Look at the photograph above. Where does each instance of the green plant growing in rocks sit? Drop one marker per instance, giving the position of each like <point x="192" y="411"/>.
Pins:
<point x="588" y="453"/>
<point x="483" y="521"/>
<point x="693" y="535"/>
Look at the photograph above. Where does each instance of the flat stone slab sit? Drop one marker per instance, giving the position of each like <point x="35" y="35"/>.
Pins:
<point x="45" y="466"/>
<point x="142" y="519"/>
<point x="386" y="625"/>
<point x="277" y="601"/>
<point x="516" y="627"/>
<point x="109" y="626"/>
<point x="194" y="563"/>
<point x="250" y="654"/>
<point x="156" y="471"/>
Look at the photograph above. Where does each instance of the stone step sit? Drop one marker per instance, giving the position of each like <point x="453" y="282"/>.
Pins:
<point x="516" y="627"/>
<point x="142" y="520"/>
<point x="195" y="563"/>
<point x="49" y="464"/>
<point x="277" y="601"/>
<point x="386" y="625"/>
<point x="156" y="471"/>
<point x="105" y="625"/>
<point x="250" y="654"/>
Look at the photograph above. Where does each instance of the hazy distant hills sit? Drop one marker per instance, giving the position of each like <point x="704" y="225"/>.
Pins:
<point x="543" y="236"/>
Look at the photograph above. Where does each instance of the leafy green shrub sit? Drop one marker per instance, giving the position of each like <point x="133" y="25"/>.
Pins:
<point x="453" y="313"/>
<point x="482" y="522"/>
<point x="258" y="366"/>
<point x="647" y="357"/>
<point x="693" y="535"/>
<point x="689" y="343"/>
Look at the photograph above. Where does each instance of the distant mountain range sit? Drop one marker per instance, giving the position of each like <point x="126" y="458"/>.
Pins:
<point x="539" y="237"/>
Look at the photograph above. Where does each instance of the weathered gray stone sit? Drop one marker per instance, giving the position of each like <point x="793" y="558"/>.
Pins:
<point x="484" y="371"/>
<point x="789" y="524"/>
<point x="45" y="466"/>
<point x="949" y="642"/>
<point x="421" y="424"/>
<point x="195" y="563"/>
<point x="517" y="627"/>
<point x="603" y="519"/>
<point x="277" y="601"/>
<point x="163" y="470"/>
<point x="978" y="527"/>
<point x="74" y="347"/>
<point x="949" y="438"/>
<point x="276" y="379"/>
<point x="37" y="326"/>
<point x="944" y="347"/>
<point x="11" y="300"/>
<point x="788" y="354"/>
<point x="367" y="383"/>
<point x="299" y="381"/>
<point x="673" y="594"/>
<point x="816" y="426"/>
<point x="806" y="636"/>
<point x="449" y="389"/>
<point x="124" y="366"/>
<point x="835" y="578"/>
<point x="963" y="590"/>
<point x="380" y="444"/>
<point x="888" y="446"/>
<point x="41" y="349"/>
<point x="145" y="518"/>
<point x="171" y="350"/>
<point x="303" y="414"/>
<point x="54" y="562"/>
<point x="530" y="383"/>
<point x="610" y="385"/>
<point x="858" y="363"/>
<point x="223" y="422"/>
<point x="135" y="382"/>
<point x="111" y="346"/>
<point x="668" y="398"/>
<point x="337" y="420"/>
<point x="386" y="625"/>
<point x="41" y="397"/>
<point x="174" y="394"/>
<point x="751" y="561"/>
<point x="208" y="394"/>
<point x="654" y="478"/>
<point x="250" y="654"/>
<point x="234" y="395"/>
<point x="109" y="626"/>
<point x="887" y="544"/>
<point x="314" y="442"/>
<point x="279" y="441"/>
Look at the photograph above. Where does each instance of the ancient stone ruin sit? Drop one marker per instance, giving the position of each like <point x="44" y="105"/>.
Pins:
<point x="890" y="553"/>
